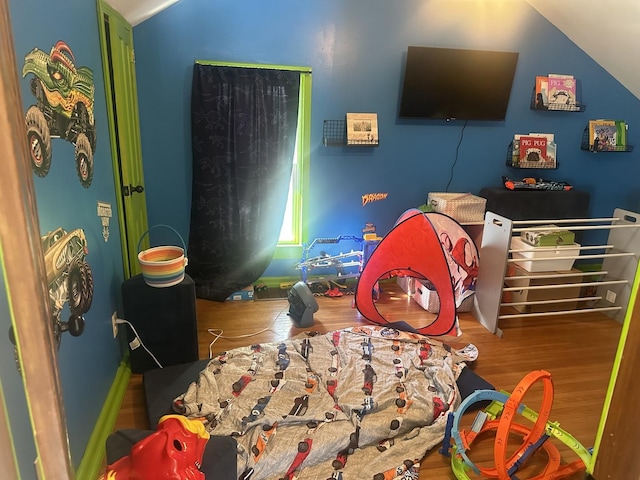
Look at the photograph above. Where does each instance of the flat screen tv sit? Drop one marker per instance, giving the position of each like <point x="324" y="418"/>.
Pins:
<point x="457" y="84"/>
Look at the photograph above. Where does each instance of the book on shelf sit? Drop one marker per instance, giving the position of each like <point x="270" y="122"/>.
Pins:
<point x="551" y="156"/>
<point x="542" y="91"/>
<point x="362" y="128"/>
<point x="562" y="92"/>
<point x="533" y="150"/>
<point x="607" y="135"/>
<point x="621" y="139"/>
<point x="515" y="150"/>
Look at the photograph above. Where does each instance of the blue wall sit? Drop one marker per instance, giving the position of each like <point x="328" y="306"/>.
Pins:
<point x="87" y="363"/>
<point x="356" y="50"/>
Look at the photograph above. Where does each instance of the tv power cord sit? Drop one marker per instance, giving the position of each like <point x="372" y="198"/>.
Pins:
<point x="137" y="341"/>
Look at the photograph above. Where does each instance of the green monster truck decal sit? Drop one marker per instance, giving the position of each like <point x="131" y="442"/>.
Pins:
<point x="64" y="109"/>
<point x="69" y="278"/>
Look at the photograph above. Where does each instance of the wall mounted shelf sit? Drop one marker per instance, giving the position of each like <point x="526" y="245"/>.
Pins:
<point x="592" y="148"/>
<point x="334" y="134"/>
<point x="523" y="164"/>
<point x="556" y="92"/>
<point x="557" y="107"/>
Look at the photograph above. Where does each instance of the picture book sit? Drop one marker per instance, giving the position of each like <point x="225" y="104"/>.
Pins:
<point x="607" y="135"/>
<point x="542" y="90"/>
<point x="551" y="148"/>
<point x="533" y="150"/>
<point x="362" y="128"/>
<point x="515" y="151"/>
<point x="549" y="136"/>
<point x="562" y="92"/>
<point x="621" y="133"/>
<point x="603" y="135"/>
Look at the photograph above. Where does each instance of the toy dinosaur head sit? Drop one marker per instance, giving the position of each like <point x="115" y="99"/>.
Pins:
<point x="174" y="451"/>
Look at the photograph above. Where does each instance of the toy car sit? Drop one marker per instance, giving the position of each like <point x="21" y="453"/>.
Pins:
<point x="370" y="378"/>
<point x="300" y="406"/>
<point x="240" y="385"/>
<point x="283" y="357"/>
<point x="304" y="448"/>
<point x="263" y="439"/>
<point x="530" y="183"/>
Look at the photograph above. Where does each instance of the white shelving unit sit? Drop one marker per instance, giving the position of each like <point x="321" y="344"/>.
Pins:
<point x="619" y="259"/>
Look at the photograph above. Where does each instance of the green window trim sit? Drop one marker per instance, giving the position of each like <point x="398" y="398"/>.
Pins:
<point x="300" y="205"/>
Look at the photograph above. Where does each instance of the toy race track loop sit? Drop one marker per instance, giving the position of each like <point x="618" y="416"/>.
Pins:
<point x="499" y="416"/>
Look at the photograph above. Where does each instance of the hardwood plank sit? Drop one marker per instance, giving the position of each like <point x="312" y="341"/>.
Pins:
<point x="577" y="350"/>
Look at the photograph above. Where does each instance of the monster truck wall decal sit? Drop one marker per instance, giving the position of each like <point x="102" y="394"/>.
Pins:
<point x="63" y="109"/>
<point x="69" y="278"/>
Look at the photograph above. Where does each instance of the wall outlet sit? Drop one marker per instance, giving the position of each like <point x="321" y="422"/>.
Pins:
<point x="114" y="325"/>
<point x="611" y="296"/>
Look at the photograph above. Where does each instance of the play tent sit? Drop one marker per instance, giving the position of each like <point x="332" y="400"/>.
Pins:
<point x="428" y="246"/>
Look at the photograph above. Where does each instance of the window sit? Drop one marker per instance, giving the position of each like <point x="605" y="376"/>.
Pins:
<point x="292" y="234"/>
<point x="289" y="230"/>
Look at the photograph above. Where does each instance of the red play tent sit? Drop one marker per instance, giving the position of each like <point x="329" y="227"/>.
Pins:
<point x="428" y="246"/>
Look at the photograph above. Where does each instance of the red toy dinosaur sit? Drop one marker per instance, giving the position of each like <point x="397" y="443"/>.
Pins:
<point x="173" y="452"/>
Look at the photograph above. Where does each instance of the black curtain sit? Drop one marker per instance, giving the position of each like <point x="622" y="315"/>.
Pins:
<point x="243" y="130"/>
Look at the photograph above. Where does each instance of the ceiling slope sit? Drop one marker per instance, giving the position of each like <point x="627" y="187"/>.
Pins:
<point x="606" y="31"/>
<point x="137" y="11"/>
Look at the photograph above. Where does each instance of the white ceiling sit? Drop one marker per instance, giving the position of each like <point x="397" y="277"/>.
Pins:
<point x="136" y="11"/>
<point x="607" y="31"/>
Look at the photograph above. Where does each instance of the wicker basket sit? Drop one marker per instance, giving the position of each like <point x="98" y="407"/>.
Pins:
<point x="463" y="207"/>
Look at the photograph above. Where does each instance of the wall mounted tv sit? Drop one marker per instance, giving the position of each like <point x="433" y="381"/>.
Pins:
<point x="457" y="84"/>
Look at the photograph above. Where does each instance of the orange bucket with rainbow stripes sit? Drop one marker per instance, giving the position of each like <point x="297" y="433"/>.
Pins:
<point x="162" y="266"/>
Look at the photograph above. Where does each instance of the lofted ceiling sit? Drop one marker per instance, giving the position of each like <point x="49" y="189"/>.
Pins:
<point x="585" y="22"/>
<point x="606" y="31"/>
<point x="137" y="11"/>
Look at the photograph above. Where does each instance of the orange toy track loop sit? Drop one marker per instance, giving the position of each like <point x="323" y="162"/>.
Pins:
<point x="553" y="464"/>
<point x="507" y="417"/>
<point x="499" y="416"/>
<point x="553" y="469"/>
<point x="512" y="405"/>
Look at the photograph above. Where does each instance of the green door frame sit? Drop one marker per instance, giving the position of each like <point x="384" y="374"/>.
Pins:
<point x="118" y="61"/>
<point x="614" y="447"/>
<point x="24" y="273"/>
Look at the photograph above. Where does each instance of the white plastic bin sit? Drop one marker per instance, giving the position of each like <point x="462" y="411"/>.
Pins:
<point x="430" y="301"/>
<point x="547" y="259"/>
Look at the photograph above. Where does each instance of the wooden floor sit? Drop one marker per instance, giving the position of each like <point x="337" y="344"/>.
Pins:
<point x="578" y="351"/>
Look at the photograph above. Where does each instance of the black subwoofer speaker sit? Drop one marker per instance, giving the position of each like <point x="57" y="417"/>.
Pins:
<point x="165" y="320"/>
